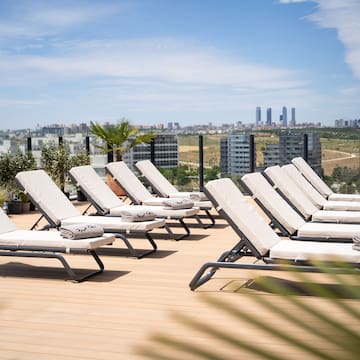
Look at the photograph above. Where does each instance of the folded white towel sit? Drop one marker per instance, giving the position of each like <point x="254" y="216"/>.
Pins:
<point x="81" y="231"/>
<point x="198" y="196"/>
<point x="356" y="241"/>
<point x="178" y="203"/>
<point x="137" y="215"/>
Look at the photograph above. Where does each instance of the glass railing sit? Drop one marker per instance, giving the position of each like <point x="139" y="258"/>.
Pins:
<point x="200" y="158"/>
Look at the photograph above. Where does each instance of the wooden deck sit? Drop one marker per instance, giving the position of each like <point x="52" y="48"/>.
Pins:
<point x="42" y="316"/>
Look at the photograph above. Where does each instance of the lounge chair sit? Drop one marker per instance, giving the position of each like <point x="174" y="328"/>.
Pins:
<point x="164" y="188"/>
<point x="288" y="221"/>
<point x="58" y="210"/>
<point x="49" y="245"/>
<point x="315" y="197"/>
<point x="107" y="203"/>
<point x="296" y="197"/>
<point x="319" y="184"/>
<point x="136" y="191"/>
<point x="258" y="239"/>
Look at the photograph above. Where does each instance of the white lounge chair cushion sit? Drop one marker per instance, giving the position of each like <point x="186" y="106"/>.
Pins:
<point x="115" y="224"/>
<point x="328" y="230"/>
<point x="92" y="184"/>
<point x="47" y="195"/>
<point x="336" y="216"/>
<point x="6" y="224"/>
<point x="342" y="205"/>
<point x="307" y="250"/>
<point x="344" y="197"/>
<point x="178" y="203"/>
<point x="291" y="191"/>
<point x="273" y="202"/>
<point x="81" y="231"/>
<point x="156" y="178"/>
<point x="315" y="197"/>
<point x="51" y="239"/>
<point x="243" y="214"/>
<point x="312" y="177"/>
<point x="128" y="181"/>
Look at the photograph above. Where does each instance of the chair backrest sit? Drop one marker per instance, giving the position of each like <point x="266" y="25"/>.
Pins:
<point x="273" y="202"/>
<point x="314" y="196"/>
<point x="48" y="198"/>
<point x="156" y="179"/>
<point x="133" y="187"/>
<point x="243" y="215"/>
<point x="6" y="224"/>
<point x="312" y="177"/>
<point x="291" y="191"/>
<point x="95" y="189"/>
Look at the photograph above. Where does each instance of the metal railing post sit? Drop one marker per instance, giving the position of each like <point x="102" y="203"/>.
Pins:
<point x="110" y="153"/>
<point x="152" y="151"/>
<point x="252" y="153"/>
<point x="201" y="162"/>
<point x="87" y="144"/>
<point x="306" y="147"/>
<point x="29" y="144"/>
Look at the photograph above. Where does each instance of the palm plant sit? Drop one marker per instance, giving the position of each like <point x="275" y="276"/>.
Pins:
<point x="119" y="138"/>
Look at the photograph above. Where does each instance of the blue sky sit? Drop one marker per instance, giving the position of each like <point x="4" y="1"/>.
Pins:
<point x="193" y="62"/>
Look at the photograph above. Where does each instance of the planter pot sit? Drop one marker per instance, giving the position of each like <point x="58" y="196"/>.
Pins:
<point x="114" y="186"/>
<point x="18" y="207"/>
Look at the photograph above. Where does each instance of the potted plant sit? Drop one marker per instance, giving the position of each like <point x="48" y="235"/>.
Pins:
<point x="10" y="165"/>
<point x="56" y="160"/>
<point x="118" y="139"/>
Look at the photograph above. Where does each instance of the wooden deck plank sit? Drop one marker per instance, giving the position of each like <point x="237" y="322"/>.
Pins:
<point x="44" y="317"/>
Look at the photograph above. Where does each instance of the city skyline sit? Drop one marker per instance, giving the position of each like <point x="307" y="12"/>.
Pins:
<point x="181" y="61"/>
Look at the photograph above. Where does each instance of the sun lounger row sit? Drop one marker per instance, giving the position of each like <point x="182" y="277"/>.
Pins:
<point x="325" y="240"/>
<point x="116" y="218"/>
<point x="296" y="218"/>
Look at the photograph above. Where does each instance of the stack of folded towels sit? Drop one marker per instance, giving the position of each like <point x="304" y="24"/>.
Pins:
<point x="198" y="196"/>
<point x="142" y="214"/>
<point x="81" y="231"/>
<point x="178" y="203"/>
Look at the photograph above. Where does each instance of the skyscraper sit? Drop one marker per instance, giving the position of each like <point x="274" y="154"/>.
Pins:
<point x="258" y="115"/>
<point x="284" y="116"/>
<point x="293" y="120"/>
<point x="268" y="117"/>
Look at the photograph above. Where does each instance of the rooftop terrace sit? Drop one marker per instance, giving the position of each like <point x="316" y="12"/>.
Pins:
<point x="44" y="317"/>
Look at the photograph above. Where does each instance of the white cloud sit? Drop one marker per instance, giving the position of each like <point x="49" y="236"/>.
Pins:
<point x="342" y="15"/>
<point x="20" y="102"/>
<point x="156" y="60"/>
<point x="43" y="18"/>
